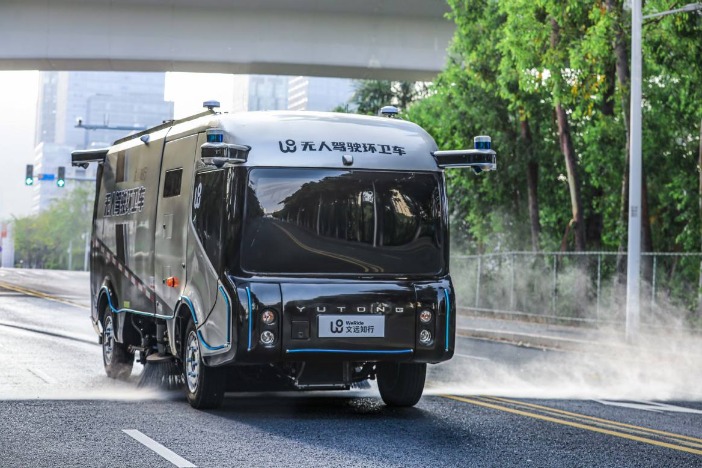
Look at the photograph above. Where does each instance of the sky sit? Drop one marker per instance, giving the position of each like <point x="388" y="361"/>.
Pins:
<point x="18" y="104"/>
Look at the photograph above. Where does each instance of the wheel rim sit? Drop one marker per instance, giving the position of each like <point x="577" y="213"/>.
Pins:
<point x="192" y="362"/>
<point x="108" y="341"/>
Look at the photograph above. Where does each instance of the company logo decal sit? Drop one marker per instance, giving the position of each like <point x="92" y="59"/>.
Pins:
<point x="197" y="198"/>
<point x="291" y="146"/>
<point x="373" y="309"/>
<point x="125" y="202"/>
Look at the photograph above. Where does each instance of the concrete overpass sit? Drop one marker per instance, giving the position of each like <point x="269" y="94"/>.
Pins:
<point x="375" y="39"/>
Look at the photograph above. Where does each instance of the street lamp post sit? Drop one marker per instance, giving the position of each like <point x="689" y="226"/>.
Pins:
<point x="634" y="239"/>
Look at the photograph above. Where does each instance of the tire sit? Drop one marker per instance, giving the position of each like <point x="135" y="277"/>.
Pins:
<point x="116" y="357"/>
<point x="401" y="384"/>
<point x="204" y="386"/>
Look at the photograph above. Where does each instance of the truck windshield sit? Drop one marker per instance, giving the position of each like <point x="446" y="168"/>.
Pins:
<point x="328" y="221"/>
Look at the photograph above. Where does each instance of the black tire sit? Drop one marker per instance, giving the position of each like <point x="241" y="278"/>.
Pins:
<point x="116" y="357"/>
<point x="401" y="384"/>
<point x="204" y="386"/>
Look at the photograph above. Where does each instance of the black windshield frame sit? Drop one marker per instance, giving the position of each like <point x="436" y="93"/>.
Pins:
<point x="344" y="222"/>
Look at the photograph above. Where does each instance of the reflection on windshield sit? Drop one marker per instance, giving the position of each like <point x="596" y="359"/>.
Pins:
<point x="335" y="221"/>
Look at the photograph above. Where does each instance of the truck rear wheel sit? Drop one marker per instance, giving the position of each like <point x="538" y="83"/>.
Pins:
<point x="116" y="357"/>
<point x="204" y="386"/>
<point x="401" y="384"/>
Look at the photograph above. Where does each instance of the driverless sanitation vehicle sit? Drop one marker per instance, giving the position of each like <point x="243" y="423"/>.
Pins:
<point x="276" y="250"/>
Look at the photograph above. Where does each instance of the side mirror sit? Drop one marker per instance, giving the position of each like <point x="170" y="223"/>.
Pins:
<point x="478" y="160"/>
<point x="481" y="158"/>
<point x="82" y="158"/>
<point x="221" y="153"/>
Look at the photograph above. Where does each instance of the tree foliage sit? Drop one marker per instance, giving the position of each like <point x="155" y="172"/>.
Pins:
<point x="44" y="240"/>
<point x="512" y="65"/>
<point x="371" y="95"/>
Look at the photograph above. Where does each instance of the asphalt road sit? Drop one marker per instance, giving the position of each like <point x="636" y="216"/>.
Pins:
<point x="57" y="408"/>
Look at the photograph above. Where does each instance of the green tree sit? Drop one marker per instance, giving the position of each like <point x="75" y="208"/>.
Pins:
<point x="549" y="81"/>
<point x="43" y="240"/>
<point x="371" y="95"/>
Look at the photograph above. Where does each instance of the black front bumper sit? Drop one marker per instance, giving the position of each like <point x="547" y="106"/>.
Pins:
<point x="308" y="313"/>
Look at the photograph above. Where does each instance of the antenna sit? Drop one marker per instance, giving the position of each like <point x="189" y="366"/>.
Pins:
<point x="389" y="111"/>
<point x="211" y="105"/>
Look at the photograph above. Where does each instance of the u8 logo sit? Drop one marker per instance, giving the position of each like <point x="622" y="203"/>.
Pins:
<point x="337" y="327"/>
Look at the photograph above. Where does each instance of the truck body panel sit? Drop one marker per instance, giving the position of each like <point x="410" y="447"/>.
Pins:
<point x="315" y="243"/>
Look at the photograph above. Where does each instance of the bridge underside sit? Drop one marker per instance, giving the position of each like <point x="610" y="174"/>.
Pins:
<point x="399" y="39"/>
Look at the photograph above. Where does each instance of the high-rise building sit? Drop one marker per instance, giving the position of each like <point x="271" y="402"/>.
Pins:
<point x="318" y="94"/>
<point x="266" y="92"/>
<point x="108" y="106"/>
<point x="260" y="92"/>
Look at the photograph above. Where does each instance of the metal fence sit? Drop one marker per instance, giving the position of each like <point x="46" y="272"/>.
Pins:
<point x="584" y="287"/>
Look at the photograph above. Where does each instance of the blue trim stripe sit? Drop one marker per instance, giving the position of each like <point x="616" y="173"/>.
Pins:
<point x="131" y="311"/>
<point x="189" y="303"/>
<point x="229" y="314"/>
<point x="204" y="343"/>
<point x="349" y="351"/>
<point x="448" y="317"/>
<point x="248" y="295"/>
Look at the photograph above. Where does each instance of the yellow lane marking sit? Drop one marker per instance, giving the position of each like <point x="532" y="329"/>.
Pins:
<point x="600" y="420"/>
<point x="575" y="424"/>
<point x="365" y="265"/>
<point x="31" y="292"/>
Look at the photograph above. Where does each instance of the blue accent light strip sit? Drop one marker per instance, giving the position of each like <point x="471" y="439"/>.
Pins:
<point x="190" y="306"/>
<point x="350" y="351"/>
<point x="248" y="295"/>
<point x="189" y="303"/>
<point x="448" y="317"/>
<point x="204" y="343"/>
<point x="131" y="311"/>
<point x="229" y="315"/>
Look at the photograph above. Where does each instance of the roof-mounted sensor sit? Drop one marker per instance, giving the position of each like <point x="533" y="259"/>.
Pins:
<point x="388" y="111"/>
<point x="211" y="105"/>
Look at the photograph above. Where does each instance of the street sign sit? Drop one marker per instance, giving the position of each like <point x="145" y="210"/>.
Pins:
<point x="46" y="176"/>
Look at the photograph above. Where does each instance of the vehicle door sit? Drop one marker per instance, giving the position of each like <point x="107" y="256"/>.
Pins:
<point x="174" y="200"/>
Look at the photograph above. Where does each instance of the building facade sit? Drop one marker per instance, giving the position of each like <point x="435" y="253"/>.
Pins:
<point x="78" y="110"/>
<point x="319" y="94"/>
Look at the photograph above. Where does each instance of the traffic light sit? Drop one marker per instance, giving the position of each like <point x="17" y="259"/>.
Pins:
<point x="29" y="177"/>
<point x="61" y="179"/>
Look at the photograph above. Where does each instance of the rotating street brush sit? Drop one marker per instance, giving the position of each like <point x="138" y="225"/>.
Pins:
<point x="361" y="385"/>
<point x="161" y="372"/>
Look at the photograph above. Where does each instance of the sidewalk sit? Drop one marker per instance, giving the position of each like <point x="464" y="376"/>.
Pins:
<point x="566" y="337"/>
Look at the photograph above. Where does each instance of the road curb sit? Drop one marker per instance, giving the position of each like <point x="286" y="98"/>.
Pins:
<point x="532" y="340"/>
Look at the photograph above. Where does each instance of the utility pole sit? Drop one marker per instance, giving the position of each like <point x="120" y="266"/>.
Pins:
<point x="633" y="270"/>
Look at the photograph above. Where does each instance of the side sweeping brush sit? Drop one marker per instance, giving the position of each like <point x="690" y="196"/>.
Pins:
<point x="161" y="372"/>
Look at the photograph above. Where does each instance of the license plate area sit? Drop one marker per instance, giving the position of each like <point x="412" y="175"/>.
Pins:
<point x="351" y="326"/>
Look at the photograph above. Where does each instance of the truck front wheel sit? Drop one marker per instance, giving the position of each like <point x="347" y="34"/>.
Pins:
<point x="401" y="384"/>
<point x="204" y="386"/>
<point x="116" y="357"/>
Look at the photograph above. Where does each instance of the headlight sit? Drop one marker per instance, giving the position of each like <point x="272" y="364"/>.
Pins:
<point x="425" y="337"/>
<point x="425" y="316"/>
<point x="268" y="316"/>
<point x="267" y="337"/>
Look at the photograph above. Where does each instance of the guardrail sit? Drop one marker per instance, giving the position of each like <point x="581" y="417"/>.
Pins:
<point x="580" y="287"/>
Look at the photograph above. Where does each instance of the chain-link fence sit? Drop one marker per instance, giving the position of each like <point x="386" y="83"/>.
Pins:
<point x="580" y="287"/>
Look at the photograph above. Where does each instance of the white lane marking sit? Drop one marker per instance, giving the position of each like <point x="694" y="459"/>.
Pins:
<point x="169" y="455"/>
<point x="468" y="356"/>
<point x="43" y="376"/>
<point x="652" y="406"/>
